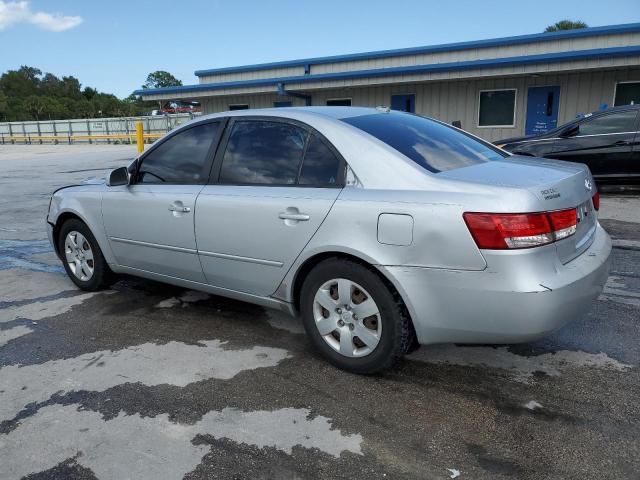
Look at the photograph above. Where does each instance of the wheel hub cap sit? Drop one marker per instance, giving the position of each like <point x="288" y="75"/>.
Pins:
<point x="347" y="317"/>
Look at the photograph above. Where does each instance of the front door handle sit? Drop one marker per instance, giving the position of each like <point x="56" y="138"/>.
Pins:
<point x="299" y="217"/>
<point x="622" y="143"/>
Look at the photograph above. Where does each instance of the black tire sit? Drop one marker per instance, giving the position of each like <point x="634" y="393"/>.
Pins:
<point x="102" y="276"/>
<point x="397" y="335"/>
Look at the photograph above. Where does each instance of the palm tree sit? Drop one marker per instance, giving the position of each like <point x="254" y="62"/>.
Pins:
<point x="565" y="25"/>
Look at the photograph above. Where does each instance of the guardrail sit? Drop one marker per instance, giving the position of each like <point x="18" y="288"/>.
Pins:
<point x="30" y="139"/>
<point x="96" y="130"/>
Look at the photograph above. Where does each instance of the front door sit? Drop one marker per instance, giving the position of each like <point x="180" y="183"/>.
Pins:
<point x="277" y="183"/>
<point x="542" y="109"/>
<point x="150" y="223"/>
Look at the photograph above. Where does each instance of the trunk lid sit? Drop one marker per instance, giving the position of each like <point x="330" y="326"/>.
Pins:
<point x="555" y="184"/>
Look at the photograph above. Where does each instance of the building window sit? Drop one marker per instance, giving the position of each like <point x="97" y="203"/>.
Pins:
<point x="239" y="106"/>
<point x="627" y="93"/>
<point x="403" y="103"/>
<point x="339" y="102"/>
<point x="282" y="104"/>
<point x="497" y="108"/>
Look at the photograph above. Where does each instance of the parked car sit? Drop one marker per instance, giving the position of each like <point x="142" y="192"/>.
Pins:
<point x="607" y="142"/>
<point x="382" y="230"/>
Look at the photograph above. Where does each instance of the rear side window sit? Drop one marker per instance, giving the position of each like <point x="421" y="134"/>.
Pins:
<point x="320" y="165"/>
<point x="613" y="123"/>
<point x="263" y="152"/>
<point x="181" y="159"/>
<point x="430" y="144"/>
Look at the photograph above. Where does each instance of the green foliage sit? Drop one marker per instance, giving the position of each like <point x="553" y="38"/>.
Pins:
<point x="565" y="25"/>
<point x="160" y="78"/>
<point x="28" y="94"/>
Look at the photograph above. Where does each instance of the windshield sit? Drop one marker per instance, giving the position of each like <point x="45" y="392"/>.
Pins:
<point x="432" y="145"/>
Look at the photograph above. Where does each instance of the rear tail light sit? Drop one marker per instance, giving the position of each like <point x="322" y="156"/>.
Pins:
<point x="596" y="201"/>
<point x="505" y="231"/>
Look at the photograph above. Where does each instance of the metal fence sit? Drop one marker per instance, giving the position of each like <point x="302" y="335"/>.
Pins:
<point x="90" y="130"/>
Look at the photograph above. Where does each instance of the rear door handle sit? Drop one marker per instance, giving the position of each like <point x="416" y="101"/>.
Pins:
<point x="300" y="217"/>
<point x="622" y="143"/>
<point x="173" y="208"/>
<point x="178" y="207"/>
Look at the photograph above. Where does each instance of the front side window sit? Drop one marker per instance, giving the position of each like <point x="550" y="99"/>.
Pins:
<point x="181" y="159"/>
<point x="497" y="108"/>
<point x="612" y="123"/>
<point x="430" y="144"/>
<point x="263" y="152"/>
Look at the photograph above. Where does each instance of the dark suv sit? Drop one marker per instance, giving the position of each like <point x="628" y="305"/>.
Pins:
<point x="607" y="141"/>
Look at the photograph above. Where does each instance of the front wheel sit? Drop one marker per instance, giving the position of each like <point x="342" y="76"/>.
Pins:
<point x="82" y="257"/>
<point x="353" y="317"/>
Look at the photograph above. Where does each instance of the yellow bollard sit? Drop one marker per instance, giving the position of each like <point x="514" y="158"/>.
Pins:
<point x="139" y="137"/>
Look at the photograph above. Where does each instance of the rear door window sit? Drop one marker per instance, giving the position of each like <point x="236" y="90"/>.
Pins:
<point x="182" y="158"/>
<point x="263" y="153"/>
<point x="430" y="144"/>
<point x="321" y="166"/>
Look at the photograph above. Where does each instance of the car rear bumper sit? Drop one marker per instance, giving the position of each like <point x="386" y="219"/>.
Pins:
<point x="521" y="296"/>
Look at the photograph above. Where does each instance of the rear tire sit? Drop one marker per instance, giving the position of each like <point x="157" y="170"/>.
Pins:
<point x="353" y="317"/>
<point x="82" y="257"/>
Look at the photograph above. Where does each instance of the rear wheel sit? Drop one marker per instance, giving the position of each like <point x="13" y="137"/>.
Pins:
<point x="353" y="317"/>
<point x="82" y="257"/>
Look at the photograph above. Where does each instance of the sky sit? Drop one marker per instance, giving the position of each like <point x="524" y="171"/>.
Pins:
<point x="113" y="45"/>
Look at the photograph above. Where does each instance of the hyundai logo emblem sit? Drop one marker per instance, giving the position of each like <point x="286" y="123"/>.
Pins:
<point x="587" y="184"/>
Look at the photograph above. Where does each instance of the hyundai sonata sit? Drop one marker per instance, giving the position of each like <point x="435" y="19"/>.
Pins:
<point x="381" y="230"/>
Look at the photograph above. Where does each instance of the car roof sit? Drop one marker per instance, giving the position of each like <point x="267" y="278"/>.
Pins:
<point x="296" y="113"/>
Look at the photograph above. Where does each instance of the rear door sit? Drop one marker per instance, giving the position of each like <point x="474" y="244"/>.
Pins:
<point x="150" y="223"/>
<point x="276" y="182"/>
<point x="603" y="142"/>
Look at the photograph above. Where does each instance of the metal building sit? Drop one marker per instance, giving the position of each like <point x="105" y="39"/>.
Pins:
<point x="494" y="88"/>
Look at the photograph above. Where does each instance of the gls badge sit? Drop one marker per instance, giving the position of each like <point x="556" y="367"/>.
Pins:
<point x="587" y="184"/>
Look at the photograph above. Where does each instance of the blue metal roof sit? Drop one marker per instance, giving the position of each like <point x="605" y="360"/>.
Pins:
<point x="448" y="47"/>
<point x="407" y="70"/>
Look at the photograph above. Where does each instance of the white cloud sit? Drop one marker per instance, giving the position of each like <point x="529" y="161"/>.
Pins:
<point x="13" y="13"/>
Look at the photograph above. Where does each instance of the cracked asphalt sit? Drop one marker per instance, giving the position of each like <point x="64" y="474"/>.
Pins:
<point x="150" y="381"/>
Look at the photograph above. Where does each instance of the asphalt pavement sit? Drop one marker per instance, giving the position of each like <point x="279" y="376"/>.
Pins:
<point x="149" y="381"/>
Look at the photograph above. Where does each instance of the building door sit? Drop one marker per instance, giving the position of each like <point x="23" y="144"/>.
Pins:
<point x="542" y="109"/>
<point x="403" y="103"/>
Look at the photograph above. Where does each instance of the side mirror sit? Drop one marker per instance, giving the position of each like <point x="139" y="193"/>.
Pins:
<point x="571" y="131"/>
<point x="117" y="177"/>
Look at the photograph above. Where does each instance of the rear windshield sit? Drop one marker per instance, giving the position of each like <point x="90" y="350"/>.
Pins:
<point x="432" y="145"/>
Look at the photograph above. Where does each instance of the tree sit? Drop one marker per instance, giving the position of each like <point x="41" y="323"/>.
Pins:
<point x="160" y="78"/>
<point x="565" y="25"/>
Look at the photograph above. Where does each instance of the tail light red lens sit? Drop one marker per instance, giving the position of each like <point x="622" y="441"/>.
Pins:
<point x="596" y="201"/>
<point x="505" y="231"/>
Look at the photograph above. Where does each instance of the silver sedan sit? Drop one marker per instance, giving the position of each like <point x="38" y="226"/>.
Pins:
<point x="381" y="230"/>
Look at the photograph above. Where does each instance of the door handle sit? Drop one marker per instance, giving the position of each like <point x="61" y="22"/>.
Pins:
<point x="622" y="143"/>
<point x="299" y="217"/>
<point x="179" y="208"/>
